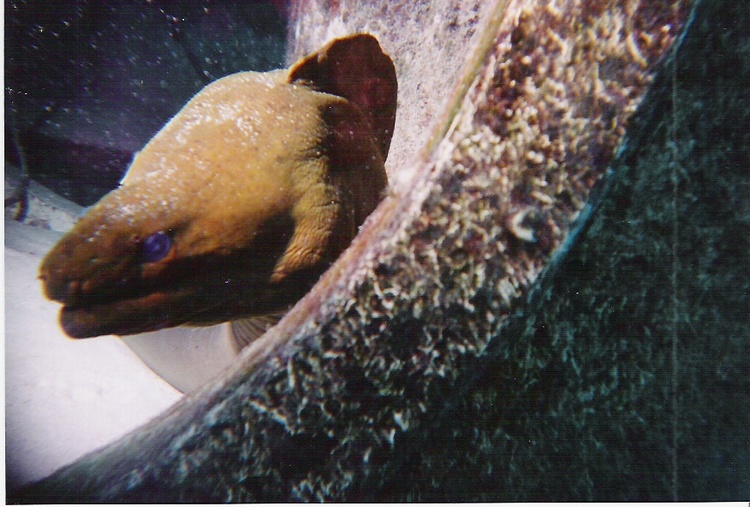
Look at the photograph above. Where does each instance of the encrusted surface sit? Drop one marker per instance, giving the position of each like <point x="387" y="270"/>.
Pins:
<point x="441" y="286"/>
<point x="623" y="377"/>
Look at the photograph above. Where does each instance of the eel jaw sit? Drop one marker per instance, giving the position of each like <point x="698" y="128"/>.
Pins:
<point x="128" y="297"/>
<point x="126" y="307"/>
<point x="205" y="303"/>
<point x="122" y="317"/>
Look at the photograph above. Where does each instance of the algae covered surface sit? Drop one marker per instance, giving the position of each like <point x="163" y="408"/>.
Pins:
<point x="625" y="375"/>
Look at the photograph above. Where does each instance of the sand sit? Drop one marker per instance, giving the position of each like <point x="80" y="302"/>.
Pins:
<point x="63" y="397"/>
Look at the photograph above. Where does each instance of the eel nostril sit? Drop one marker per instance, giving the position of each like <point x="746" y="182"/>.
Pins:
<point x="87" y="286"/>
<point x="74" y="288"/>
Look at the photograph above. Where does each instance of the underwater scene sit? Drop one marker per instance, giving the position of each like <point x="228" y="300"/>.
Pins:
<point x="359" y="250"/>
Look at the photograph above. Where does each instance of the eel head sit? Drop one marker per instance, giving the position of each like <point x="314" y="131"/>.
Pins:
<point x="239" y="203"/>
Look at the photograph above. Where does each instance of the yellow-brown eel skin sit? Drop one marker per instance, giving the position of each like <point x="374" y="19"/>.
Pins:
<point x="239" y="203"/>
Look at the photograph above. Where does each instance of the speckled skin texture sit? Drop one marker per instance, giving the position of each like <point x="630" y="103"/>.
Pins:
<point x="447" y="356"/>
<point x="259" y="183"/>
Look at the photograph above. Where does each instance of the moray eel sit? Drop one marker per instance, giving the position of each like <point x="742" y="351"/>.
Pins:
<point x="239" y="203"/>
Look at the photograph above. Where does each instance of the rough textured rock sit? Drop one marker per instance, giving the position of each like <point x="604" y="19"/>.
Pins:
<point x="623" y="375"/>
<point x="459" y="350"/>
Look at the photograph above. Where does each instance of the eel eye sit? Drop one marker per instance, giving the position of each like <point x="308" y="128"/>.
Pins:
<point x="156" y="247"/>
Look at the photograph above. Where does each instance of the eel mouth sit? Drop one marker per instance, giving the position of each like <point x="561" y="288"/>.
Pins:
<point x="121" y="300"/>
<point x="129" y="314"/>
<point x="196" y="294"/>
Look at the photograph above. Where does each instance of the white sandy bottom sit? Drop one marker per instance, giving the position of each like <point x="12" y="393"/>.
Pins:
<point x="64" y="397"/>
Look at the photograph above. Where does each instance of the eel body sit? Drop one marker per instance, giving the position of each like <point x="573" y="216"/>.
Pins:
<point x="238" y="204"/>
